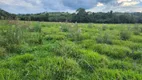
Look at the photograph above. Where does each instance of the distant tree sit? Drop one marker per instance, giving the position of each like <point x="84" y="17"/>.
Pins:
<point x="81" y="15"/>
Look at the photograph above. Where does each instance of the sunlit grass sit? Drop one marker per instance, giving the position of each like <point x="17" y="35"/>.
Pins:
<point x="70" y="51"/>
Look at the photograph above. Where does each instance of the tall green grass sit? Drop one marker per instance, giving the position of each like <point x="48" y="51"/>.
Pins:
<point x="70" y="51"/>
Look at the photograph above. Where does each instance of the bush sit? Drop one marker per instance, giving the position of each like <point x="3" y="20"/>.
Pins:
<point x="111" y="28"/>
<point x="90" y="61"/>
<point x="11" y="36"/>
<point x="65" y="28"/>
<point x="54" y="37"/>
<point x="17" y="62"/>
<point x="120" y="65"/>
<point x="55" y="68"/>
<point x="36" y="28"/>
<point x="85" y="36"/>
<point x="34" y="38"/>
<point x="104" y="27"/>
<point x="65" y="49"/>
<point x="104" y="39"/>
<point x="2" y="40"/>
<point x="7" y="74"/>
<point x="24" y="58"/>
<point x="136" y="30"/>
<point x="38" y="38"/>
<point x="125" y="35"/>
<point x="130" y="44"/>
<point x="136" y="55"/>
<point x="87" y="44"/>
<point x="75" y="34"/>
<point x="112" y="51"/>
<point x="136" y="39"/>
<point x="110" y="74"/>
<point x="90" y="25"/>
<point x="2" y="52"/>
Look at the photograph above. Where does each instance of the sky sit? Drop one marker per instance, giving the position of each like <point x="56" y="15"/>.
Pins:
<point x="37" y="6"/>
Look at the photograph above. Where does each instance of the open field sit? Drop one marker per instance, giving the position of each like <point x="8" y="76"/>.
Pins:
<point x="70" y="51"/>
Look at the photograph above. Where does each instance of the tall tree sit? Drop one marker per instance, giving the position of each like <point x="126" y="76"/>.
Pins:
<point x="81" y="15"/>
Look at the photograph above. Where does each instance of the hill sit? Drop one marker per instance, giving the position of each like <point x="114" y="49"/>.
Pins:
<point x="6" y="15"/>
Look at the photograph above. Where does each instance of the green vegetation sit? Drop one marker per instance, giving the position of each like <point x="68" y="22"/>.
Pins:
<point x="70" y="51"/>
<point x="4" y="15"/>
<point x="80" y="16"/>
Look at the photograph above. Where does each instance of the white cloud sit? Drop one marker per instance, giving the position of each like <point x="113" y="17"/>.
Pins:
<point x="36" y="6"/>
<point x="22" y="6"/>
<point x="121" y="1"/>
<point x="21" y="3"/>
<point x="100" y="4"/>
<point x="130" y="3"/>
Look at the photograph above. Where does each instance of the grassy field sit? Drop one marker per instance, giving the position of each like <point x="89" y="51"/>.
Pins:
<point x="67" y="51"/>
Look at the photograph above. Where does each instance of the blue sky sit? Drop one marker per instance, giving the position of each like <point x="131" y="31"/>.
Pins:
<point x="36" y="6"/>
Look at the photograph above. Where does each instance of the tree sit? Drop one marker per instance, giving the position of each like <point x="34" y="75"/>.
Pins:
<point x="81" y="15"/>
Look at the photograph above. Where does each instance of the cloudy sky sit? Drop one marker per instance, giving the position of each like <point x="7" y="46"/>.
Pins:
<point x="36" y="6"/>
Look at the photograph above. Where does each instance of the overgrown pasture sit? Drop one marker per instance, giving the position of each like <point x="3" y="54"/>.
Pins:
<point x="70" y="51"/>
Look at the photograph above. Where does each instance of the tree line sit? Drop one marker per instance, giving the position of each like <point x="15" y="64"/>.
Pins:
<point x="80" y="16"/>
<point x="4" y="15"/>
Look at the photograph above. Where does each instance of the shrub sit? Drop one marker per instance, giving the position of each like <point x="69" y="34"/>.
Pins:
<point x="85" y="36"/>
<point x="130" y="44"/>
<point x="54" y="37"/>
<point x="104" y="27"/>
<point x="120" y="65"/>
<point x="36" y="28"/>
<point x="125" y="35"/>
<point x="136" y="30"/>
<point x="38" y="38"/>
<point x="11" y="36"/>
<point x="65" y="28"/>
<point x="2" y="40"/>
<point x="34" y="38"/>
<point x="136" y="55"/>
<point x="66" y="70"/>
<point x="7" y="74"/>
<point x="65" y="49"/>
<point x="90" y="25"/>
<point x="112" y="51"/>
<point x="113" y="74"/>
<point x="55" y="68"/>
<point x="111" y="28"/>
<point x="141" y="29"/>
<point x="24" y="58"/>
<point x="90" y="61"/>
<point x="75" y="34"/>
<point x="2" y="52"/>
<point x="136" y="39"/>
<point x="17" y="63"/>
<point x="87" y="44"/>
<point x="104" y="39"/>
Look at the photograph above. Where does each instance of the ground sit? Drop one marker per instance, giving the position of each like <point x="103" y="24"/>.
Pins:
<point x="70" y="51"/>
